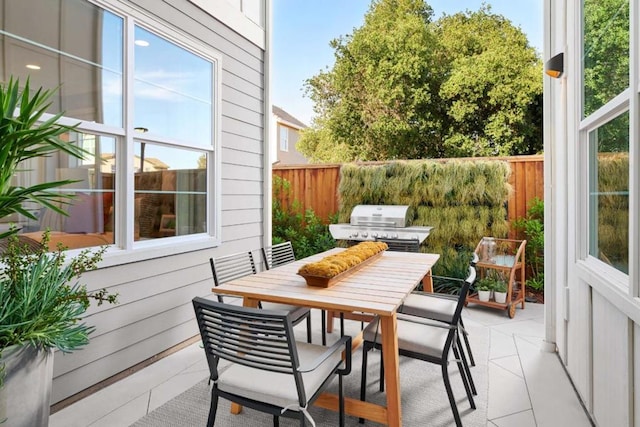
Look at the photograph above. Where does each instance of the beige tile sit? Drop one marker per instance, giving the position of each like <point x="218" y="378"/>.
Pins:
<point x="510" y="363"/>
<point x="174" y="386"/>
<point x="553" y="398"/>
<point x="526" y="327"/>
<point x="501" y="345"/>
<point x="521" y="419"/>
<point x="507" y="393"/>
<point x="125" y="415"/>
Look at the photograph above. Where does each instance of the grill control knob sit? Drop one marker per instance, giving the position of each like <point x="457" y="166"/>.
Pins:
<point x="384" y="235"/>
<point x="364" y="234"/>
<point x="354" y="234"/>
<point x="374" y="234"/>
<point x="394" y="236"/>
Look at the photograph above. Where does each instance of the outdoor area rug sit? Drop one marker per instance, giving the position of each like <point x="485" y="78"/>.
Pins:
<point x="424" y="398"/>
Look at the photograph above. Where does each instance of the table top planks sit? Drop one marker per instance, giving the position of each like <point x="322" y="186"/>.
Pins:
<point x="377" y="288"/>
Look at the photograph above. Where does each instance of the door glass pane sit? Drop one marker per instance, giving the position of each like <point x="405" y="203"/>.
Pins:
<point x="606" y="51"/>
<point x="89" y="219"/>
<point x="172" y="90"/>
<point x="170" y="191"/>
<point x="609" y="193"/>
<point x="71" y="45"/>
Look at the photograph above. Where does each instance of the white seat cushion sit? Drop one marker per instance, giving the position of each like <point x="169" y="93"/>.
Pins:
<point x="296" y="311"/>
<point x="275" y="388"/>
<point x="430" y="307"/>
<point x="416" y="337"/>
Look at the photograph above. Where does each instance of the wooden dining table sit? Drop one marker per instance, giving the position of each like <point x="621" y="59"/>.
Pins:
<point x="378" y="288"/>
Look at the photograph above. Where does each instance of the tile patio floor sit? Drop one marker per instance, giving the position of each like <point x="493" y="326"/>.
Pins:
<point x="527" y="387"/>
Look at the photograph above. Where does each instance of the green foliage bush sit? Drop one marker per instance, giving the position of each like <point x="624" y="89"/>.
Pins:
<point x="533" y="228"/>
<point x="462" y="200"/>
<point x="307" y="233"/>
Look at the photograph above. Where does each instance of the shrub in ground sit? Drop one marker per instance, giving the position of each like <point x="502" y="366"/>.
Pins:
<point x="307" y="233"/>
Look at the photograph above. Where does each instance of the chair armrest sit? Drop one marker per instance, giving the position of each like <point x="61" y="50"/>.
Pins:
<point x="424" y="321"/>
<point x="344" y="341"/>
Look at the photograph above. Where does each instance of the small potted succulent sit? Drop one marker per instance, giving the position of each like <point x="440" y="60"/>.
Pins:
<point x="500" y="291"/>
<point x="484" y="289"/>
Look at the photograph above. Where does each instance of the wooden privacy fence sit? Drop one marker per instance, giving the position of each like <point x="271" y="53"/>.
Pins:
<point x="316" y="186"/>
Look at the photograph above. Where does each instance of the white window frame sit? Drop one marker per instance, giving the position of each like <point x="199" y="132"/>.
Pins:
<point x="621" y="289"/>
<point x="125" y="250"/>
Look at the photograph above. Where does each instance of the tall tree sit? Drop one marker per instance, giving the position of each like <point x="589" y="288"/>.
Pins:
<point x="493" y="88"/>
<point x="378" y="100"/>
<point x="403" y="86"/>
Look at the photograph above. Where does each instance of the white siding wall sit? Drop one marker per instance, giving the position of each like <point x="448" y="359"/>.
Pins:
<point x="154" y="311"/>
<point x="596" y="322"/>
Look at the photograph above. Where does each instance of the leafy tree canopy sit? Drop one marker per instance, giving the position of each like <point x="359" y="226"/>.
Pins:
<point x="404" y="86"/>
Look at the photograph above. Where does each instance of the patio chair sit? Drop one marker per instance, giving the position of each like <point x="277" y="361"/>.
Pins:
<point x="427" y="340"/>
<point x="282" y="254"/>
<point x="439" y="307"/>
<point x="235" y="266"/>
<point x="276" y="255"/>
<point x="269" y="371"/>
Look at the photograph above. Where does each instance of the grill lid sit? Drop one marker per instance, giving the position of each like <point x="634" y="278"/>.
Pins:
<point x="380" y="215"/>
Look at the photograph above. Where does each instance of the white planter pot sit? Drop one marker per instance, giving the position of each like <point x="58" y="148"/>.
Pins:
<point x="484" y="295"/>
<point x="25" y="397"/>
<point x="501" y="297"/>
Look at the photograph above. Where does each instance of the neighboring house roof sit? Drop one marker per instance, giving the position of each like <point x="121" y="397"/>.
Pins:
<point x="286" y="118"/>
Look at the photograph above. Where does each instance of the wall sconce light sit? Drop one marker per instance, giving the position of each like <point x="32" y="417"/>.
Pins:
<point x="554" y="67"/>
<point x="141" y="130"/>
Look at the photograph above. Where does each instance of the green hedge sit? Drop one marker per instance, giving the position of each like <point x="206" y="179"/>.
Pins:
<point x="462" y="200"/>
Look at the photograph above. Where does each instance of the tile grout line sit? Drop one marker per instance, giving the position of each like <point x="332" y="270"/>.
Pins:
<point x="117" y="409"/>
<point x="526" y="384"/>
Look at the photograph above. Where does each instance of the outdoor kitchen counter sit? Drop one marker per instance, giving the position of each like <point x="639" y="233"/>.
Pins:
<point x="378" y="288"/>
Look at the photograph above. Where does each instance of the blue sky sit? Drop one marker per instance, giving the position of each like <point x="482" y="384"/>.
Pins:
<point x="302" y="30"/>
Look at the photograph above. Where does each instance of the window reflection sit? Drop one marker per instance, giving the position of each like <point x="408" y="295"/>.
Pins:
<point x="172" y="90"/>
<point x="70" y="44"/>
<point x="606" y="51"/>
<point x="609" y="193"/>
<point x="170" y="191"/>
<point x="90" y="214"/>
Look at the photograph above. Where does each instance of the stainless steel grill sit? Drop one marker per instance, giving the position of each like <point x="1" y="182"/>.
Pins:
<point x="379" y="222"/>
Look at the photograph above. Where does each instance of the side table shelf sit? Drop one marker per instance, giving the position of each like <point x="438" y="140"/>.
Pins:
<point x="507" y="263"/>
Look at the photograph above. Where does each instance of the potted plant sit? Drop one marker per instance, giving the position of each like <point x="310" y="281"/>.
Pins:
<point x="500" y="291"/>
<point x="484" y="289"/>
<point x="41" y="301"/>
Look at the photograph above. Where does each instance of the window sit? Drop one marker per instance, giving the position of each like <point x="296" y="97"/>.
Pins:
<point x="605" y="130"/>
<point x="609" y="193"/>
<point x="284" y="138"/>
<point x="605" y="52"/>
<point x="170" y="191"/>
<point x="171" y="139"/>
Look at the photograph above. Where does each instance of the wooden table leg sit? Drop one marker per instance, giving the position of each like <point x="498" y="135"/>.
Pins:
<point x="247" y="302"/>
<point x="389" y="325"/>
<point x="427" y="282"/>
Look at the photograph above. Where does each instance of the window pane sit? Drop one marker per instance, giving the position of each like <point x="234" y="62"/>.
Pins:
<point x="170" y="192"/>
<point x="284" y="139"/>
<point x="609" y="193"/>
<point x="70" y="44"/>
<point x="90" y="214"/>
<point x="606" y="51"/>
<point x="172" y="90"/>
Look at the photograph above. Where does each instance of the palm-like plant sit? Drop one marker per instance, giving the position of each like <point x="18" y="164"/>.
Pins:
<point x="23" y="137"/>
<point x="41" y="301"/>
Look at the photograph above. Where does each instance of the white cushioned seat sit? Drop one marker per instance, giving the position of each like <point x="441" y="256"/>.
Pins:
<point x="276" y="388"/>
<point x="431" y="306"/>
<point x="412" y="336"/>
